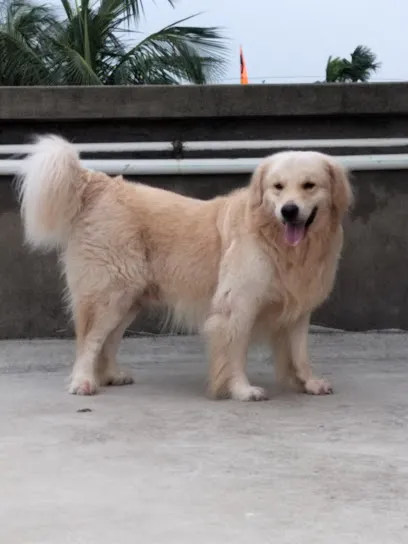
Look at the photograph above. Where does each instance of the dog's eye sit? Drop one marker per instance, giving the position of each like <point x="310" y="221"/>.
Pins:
<point x="308" y="185"/>
<point x="278" y="186"/>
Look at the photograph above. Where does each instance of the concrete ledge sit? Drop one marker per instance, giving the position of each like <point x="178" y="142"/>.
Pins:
<point x="160" y="102"/>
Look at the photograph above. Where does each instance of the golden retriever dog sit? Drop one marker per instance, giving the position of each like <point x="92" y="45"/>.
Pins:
<point x="250" y="265"/>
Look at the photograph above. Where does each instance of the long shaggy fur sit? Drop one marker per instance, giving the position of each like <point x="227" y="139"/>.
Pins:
<point x="49" y="187"/>
<point x="221" y="266"/>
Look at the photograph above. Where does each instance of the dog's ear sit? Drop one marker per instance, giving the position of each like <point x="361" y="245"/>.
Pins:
<point x="341" y="191"/>
<point x="257" y="185"/>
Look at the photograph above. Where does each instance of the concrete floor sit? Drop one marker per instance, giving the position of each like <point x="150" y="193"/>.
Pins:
<point x="157" y="462"/>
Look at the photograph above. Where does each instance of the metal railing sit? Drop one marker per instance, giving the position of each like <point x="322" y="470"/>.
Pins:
<point x="10" y="167"/>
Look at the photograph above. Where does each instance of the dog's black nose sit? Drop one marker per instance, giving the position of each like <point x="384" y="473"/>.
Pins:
<point x="290" y="212"/>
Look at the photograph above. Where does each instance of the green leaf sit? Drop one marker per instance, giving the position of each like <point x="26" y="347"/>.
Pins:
<point x="193" y="54"/>
<point x="362" y="65"/>
<point x="89" y="45"/>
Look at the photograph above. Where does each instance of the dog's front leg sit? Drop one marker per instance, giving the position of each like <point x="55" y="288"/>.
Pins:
<point x="234" y="310"/>
<point x="284" y="368"/>
<point x="228" y="332"/>
<point x="297" y="335"/>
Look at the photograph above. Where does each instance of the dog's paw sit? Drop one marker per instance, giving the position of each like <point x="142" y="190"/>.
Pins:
<point x="316" y="386"/>
<point x="120" y="378"/>
<point x="83" y="386"/>
<point x="247" y="393"/>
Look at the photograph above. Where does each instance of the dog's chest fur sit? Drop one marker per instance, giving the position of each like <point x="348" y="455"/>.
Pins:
<point x="303" y="278"/>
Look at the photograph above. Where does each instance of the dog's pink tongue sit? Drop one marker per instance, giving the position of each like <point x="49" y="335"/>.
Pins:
<point x="294" y="234"/>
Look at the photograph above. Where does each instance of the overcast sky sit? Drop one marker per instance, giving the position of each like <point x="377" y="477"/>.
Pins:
<point x="290" y="40"/>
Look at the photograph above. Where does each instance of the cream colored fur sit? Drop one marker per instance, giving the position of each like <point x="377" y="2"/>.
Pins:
<point x="220" y="266"/>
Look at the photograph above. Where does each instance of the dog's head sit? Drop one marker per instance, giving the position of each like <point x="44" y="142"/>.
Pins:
<point x="296" y="188"/>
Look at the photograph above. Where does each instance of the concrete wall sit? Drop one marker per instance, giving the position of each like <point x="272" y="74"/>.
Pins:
<point x="372" y="286"/>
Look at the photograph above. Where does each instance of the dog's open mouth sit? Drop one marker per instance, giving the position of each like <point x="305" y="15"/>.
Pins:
<point x="295" y="231"/>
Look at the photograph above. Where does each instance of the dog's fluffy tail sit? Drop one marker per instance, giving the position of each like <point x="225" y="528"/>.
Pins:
<point x="50" y="183"/>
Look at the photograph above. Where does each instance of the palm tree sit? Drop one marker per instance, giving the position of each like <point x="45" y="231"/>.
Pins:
<point x="362" y="65"/>
<point x="94" y="44"/>
<point x="23" y="49"/>
<point x="335" y="70"/>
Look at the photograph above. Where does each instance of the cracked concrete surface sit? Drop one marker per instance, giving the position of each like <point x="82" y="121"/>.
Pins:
<point x="156" y="462"/>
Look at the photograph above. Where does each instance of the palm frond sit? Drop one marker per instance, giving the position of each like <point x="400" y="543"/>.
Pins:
<point x="132" y="9"/>
<point x="193" y="54"/>
<point x="19" y="63"/>
<point x="69" y="11"/>
<point x="364" y="54"/>
<point x="334" y="70"/>
<point x="89" y="46"/>
<point x="25" y="29"/>
<point x="363" y="63"/>
<point x="71" y="67"/>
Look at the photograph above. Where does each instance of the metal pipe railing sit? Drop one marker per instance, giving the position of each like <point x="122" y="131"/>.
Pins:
<point x="227" y="145"/>
<point x="218" y="166"/>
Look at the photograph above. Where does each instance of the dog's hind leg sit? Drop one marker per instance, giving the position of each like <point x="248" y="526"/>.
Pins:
<point x="95" y="318"/>
<point x="109" y="373"/>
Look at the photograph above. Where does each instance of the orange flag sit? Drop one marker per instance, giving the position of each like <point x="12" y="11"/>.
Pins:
<point x="244" y="73"/>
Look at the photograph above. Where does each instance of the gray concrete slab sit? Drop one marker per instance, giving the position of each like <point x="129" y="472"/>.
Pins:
<point x="199" y="102"/>
<point x="157" y="462"/>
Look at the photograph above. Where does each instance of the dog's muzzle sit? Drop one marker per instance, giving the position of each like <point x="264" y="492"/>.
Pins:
<point x="295" y="230"/>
